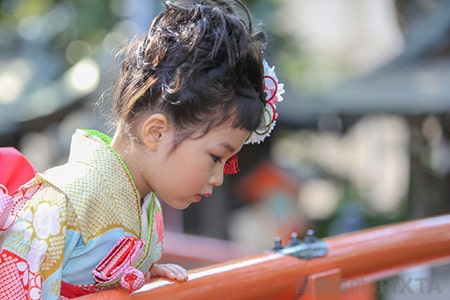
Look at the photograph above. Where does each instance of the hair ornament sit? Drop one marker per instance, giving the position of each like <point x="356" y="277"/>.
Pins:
<point x="271" y="97"/>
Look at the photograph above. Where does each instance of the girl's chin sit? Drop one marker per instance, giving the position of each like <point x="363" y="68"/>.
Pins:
<point x="182" y="203"/>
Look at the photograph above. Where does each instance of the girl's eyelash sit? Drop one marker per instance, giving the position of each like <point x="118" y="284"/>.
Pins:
<point x="216" y="158"/>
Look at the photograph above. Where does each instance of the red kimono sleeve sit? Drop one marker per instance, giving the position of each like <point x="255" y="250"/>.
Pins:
<point x="15" y="169"/>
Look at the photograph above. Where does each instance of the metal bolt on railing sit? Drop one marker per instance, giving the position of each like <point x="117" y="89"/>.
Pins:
<point x="277" y="245"/>
<point x="310" y="247"/>
<point x="294" y="241"/>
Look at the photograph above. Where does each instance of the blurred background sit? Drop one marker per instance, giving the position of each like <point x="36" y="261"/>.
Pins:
<point x="363" y="133"/>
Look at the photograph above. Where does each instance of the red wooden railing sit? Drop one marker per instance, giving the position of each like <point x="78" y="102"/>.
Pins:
<point x="363" y="256"/>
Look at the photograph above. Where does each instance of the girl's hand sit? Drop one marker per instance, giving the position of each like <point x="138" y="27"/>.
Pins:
<point x="170" y="271"/>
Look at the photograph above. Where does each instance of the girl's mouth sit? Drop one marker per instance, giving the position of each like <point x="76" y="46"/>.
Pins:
<point x="198" y="197"/>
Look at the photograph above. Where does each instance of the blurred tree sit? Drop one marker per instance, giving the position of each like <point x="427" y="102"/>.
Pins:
<point x="39" y="41"/>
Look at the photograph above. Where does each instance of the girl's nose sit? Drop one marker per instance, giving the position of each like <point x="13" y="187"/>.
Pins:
<point x="216" y="178"/>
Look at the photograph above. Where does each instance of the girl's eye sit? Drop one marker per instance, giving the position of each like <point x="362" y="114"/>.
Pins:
<point x="216" y="159"/>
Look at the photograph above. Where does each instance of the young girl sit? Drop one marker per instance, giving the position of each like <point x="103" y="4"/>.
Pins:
<point x="190" y="94"/>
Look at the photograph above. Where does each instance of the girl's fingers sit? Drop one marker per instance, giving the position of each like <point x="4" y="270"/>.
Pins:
<point x="170" y="271"/>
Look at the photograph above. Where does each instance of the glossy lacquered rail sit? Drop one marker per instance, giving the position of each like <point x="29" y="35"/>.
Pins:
<point x="366" y="255"/>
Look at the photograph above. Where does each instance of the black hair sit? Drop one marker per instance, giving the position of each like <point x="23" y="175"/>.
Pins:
<point x="200" y="65"/>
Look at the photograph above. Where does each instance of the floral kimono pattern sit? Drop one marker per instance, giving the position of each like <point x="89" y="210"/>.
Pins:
<point x="73" y="222"/>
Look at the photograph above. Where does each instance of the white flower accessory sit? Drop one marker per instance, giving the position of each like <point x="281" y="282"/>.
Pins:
<point x="272" y="96"/>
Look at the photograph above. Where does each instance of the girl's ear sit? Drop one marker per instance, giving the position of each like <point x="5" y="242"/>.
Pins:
<point x="153" y="130"/>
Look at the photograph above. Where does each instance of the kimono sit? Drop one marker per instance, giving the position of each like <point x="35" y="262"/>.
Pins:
<point x="79" y="227"/>
<point x="15" y="169"/>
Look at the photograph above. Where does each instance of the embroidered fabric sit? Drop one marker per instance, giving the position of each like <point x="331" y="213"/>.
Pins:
<point x="10" y="205"/>
<point x="23" y="272"/>
<point x="119" y="264"/>
<point x="6" y="203"/>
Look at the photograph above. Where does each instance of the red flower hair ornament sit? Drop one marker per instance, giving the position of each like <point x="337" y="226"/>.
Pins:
<point x="271" y="97"/>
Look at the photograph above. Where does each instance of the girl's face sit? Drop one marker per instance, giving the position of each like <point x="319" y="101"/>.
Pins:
<point x="182" y="176"/>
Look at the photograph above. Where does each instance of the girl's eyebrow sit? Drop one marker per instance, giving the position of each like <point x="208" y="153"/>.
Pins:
<point x="228" y="147"/>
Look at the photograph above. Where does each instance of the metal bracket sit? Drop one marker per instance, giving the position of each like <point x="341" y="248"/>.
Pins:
<point x="310" y="247"/>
